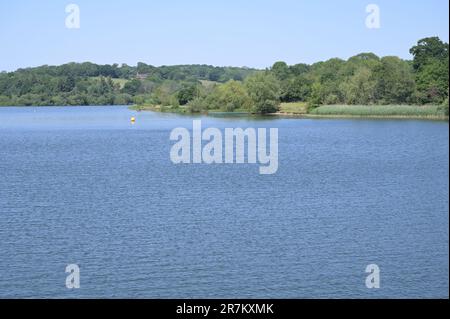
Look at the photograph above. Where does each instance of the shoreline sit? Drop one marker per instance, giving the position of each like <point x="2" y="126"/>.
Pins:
<point x="371" y="116"/>
<point x="302" y="115"/>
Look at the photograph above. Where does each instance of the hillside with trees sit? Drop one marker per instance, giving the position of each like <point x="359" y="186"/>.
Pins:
<point x="92" y="84"/>
<point x="364" y="79"/>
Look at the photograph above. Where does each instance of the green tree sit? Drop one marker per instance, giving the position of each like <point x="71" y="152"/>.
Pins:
<point x="427" y="50"/>
<point x="395" y="81"/>
<point x="187" y="93"/>
<point x="280" y="70"/>
<point x="132" y="87"/>
<point x="264" y="90"/>
<point x="296" y="89"/>
<point x="233" y="95"/>
<point x="431" y="63"/>
<point x="327" y="77"/>
<point x="316" y="97"/>
<point x="360" y="87"/>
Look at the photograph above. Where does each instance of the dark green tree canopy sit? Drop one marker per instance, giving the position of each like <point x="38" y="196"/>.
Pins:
<point x="428" y="50"/>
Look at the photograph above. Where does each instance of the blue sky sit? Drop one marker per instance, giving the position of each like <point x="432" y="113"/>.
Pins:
<point x="253" y="33"/>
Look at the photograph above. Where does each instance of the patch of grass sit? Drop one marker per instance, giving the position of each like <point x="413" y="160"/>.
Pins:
<point x="379" y="110"/>
<point x="121" y="82"/>
<point x="208" y="84"/>
<point x="294" y="108"/>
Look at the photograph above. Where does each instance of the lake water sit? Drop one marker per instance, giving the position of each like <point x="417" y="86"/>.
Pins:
<point x="82" y="185"/>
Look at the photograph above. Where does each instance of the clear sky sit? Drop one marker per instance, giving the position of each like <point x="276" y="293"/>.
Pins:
<point x="253" y="33"/>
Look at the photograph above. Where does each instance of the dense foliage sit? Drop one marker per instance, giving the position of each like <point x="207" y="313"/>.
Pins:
<point x="367" y="79"/>
<point x="364" y="79"/>
<point x="92" y="84"/>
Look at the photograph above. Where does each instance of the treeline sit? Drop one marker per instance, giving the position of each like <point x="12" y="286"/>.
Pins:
<point x="364" y="79"/>
<point x="92" y="84"/>
<point x="367" y="79"/>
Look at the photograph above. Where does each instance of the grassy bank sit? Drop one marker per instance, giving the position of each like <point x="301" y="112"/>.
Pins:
<point x="293" y="108"/>
<point x="381" y="111"/>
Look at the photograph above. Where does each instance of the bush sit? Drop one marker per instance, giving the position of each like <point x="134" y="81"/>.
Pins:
<point x="197" y="105"/>
<point x="444" y="107"/>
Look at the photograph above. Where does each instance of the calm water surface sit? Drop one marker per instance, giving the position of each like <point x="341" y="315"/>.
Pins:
<point x="82" y="185"/>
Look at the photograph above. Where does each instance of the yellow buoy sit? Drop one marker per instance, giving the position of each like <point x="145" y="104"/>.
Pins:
<point x="133" y="119"/>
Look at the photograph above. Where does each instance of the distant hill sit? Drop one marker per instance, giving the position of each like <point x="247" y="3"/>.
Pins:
<point x="92" y="84"/>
